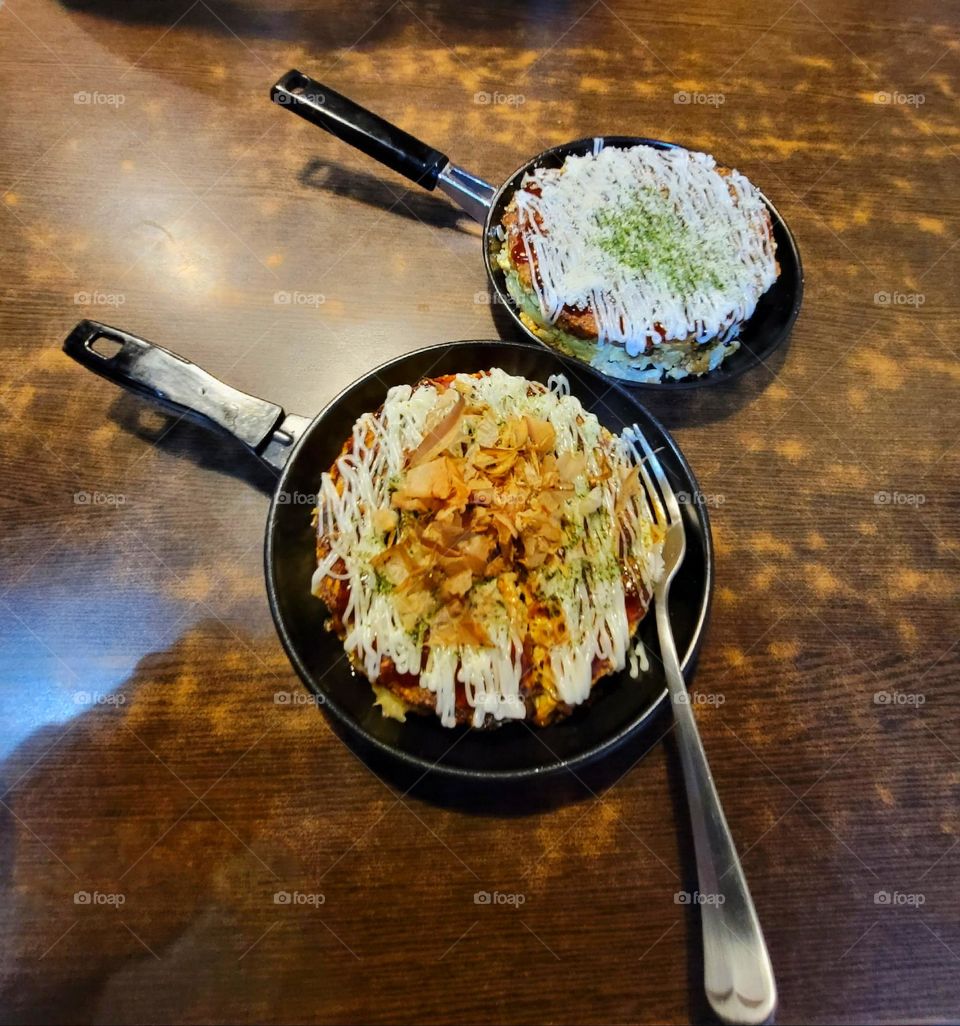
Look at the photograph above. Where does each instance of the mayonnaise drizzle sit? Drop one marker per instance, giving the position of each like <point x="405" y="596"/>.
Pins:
<point x="647" y="237"/>
<point x="591" y="594"/>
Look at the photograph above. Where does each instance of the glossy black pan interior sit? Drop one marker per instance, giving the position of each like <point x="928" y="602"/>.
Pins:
<point x="301" y="449"/>
<point x="767" y="328"/>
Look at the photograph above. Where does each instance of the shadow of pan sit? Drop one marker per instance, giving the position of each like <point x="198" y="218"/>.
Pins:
<point x="396" y="197"/>
<point x="516" y="798"/>
<point x="181" y="437"/>
<point x="694" y="407"/>
<point x="330" y="26"/>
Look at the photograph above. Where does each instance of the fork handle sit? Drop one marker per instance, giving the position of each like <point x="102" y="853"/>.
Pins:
<point x="737" y="973"/>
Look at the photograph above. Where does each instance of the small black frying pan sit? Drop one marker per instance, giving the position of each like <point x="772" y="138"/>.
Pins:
<point x="299" y="450"/>
<point x="769" y="326"/>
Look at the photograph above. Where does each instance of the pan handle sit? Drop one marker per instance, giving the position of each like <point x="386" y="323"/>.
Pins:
<point x="360" y="127"/>
<point x="185" y="389"/>
<point x="387" y="143"/>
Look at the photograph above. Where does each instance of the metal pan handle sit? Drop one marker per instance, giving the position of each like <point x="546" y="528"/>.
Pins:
<point x="390" y="145"/>
<point x="182" y="387"/>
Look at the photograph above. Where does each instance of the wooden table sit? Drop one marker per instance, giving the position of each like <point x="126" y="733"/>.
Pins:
<point x="146" y="761"/>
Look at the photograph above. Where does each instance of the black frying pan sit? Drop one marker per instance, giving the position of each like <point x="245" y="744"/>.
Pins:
<point x="300" y="450"/>
<point x="768" y="327"/>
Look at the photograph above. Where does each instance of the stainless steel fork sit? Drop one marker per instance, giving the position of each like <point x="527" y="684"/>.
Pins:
<point x="737" y="974"/>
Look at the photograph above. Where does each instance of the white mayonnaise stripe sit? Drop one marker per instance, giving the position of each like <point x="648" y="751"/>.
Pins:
<point x="592" y="598"/>
<point x="648" y="237"/>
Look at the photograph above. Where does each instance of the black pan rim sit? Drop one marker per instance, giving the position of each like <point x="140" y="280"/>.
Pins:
<point x="715" y="377"/>
<point x="425" y="766"/>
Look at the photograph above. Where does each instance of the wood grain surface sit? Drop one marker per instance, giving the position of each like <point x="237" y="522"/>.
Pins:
<point x="156" y="753"/>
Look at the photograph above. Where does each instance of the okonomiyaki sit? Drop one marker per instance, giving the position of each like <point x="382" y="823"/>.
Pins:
<point x="485" y="550"/>
<point x="643" y="262"/>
